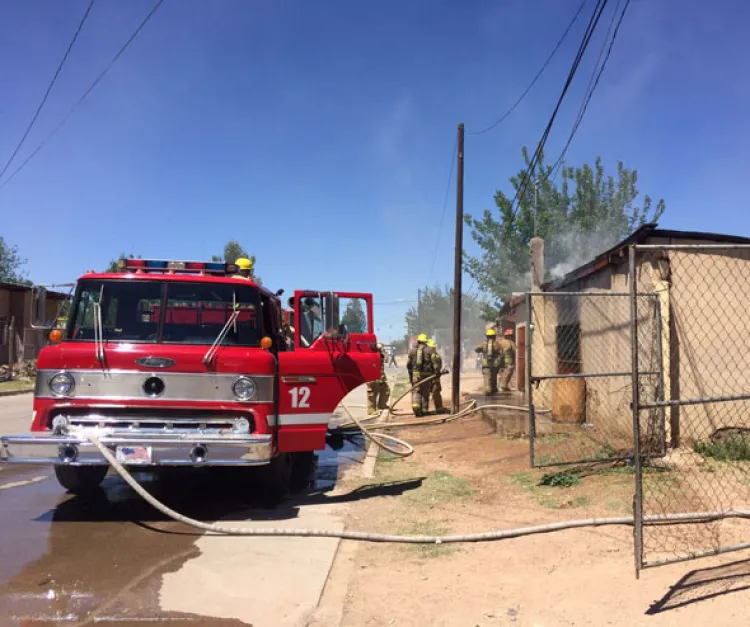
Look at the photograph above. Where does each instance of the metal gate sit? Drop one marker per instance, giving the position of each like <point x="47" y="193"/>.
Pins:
<point x="580" y="377"/>
<point x="695" y="500"/>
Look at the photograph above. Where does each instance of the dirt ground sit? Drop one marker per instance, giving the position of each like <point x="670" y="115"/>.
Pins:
<point x="464" y="478"/>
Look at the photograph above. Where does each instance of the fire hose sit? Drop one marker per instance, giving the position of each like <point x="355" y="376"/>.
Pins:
<point x="503" y="534"/>
<point x="488" y="536"/>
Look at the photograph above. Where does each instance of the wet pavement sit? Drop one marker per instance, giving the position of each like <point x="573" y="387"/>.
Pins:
<point x="72" y="561"/>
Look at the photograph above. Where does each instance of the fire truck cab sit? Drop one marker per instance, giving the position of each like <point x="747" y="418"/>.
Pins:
<point x="175" y="363"/>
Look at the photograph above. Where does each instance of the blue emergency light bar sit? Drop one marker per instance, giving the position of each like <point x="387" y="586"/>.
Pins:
<point x="171" y="267"/>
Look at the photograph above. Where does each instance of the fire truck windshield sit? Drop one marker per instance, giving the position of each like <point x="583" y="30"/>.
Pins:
<point x="153" y="311"/>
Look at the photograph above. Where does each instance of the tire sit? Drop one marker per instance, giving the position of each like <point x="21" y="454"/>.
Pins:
<point x="275" y="478"/>
<point x="303" y="467"/>
<point x="80" y="480"/>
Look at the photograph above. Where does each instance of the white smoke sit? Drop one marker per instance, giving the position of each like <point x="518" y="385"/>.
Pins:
<point x="574" y="248"/>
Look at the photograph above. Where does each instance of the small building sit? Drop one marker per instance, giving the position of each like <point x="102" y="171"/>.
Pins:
<point x="693" y="335"/>
<point x="17" y="339"/>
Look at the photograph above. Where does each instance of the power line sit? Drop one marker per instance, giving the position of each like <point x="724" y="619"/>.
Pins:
<point x="442" y="215"/>
<point x="594" y="82"/>
<point x="593" y="22"/>
<point x="588" y="34"/>
<point x="505" y="115"/>
<point x="86" y="93"/>
<point x="49" y="89"/>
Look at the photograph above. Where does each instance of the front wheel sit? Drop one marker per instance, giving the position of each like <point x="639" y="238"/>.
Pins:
<point x="80" y="480"/>
<point x="275" y="477"/>
<point x="303" y="468"/>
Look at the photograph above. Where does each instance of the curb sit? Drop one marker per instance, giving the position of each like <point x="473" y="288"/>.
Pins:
<point x="16" y="392"/>
<point x="371" y="456"/>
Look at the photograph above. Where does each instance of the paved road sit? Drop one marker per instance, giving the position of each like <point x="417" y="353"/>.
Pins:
<point x="116" y="561"/>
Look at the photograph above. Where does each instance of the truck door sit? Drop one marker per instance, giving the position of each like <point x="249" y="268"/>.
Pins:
<point x="334" y="353"/>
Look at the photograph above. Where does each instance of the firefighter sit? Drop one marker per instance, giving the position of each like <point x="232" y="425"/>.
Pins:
<point x="378" y="392"/>
<point x="392" y="357"/>
<point x="508" y="348"/>
<point x="436" y="389"/>
<point x="490" y="361"/>
<point x="244" y="269"/>
<point x="419" y="366"/>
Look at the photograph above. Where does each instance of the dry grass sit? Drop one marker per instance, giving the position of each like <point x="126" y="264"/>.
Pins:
<point x="17" y="385"/>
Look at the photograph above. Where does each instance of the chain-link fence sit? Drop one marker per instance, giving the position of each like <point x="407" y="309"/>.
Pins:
<point x="581" y="380"/>
<point x="702" y="297"/>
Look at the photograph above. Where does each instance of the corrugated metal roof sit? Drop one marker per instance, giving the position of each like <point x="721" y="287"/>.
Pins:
<point x="20" y="287"/>
<point x="639" y="237"/>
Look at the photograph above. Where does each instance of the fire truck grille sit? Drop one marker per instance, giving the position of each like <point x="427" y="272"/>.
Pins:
<point x="149" y="421"/>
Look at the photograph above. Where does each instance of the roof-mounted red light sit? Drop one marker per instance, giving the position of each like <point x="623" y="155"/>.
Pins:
<point x="173" y="266"/>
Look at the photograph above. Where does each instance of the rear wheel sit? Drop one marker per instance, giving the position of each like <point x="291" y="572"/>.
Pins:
<point x="303" y="468"/>
<point x="80" y="480"/>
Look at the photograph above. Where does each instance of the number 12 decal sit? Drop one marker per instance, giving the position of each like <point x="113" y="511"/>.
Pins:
<point x="300" y="397"/>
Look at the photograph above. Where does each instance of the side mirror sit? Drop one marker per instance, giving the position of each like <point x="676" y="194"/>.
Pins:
<point x="39" y="308"/>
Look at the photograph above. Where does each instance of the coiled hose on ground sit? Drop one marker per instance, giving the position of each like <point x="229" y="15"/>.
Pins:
<point x="403" y="448"/>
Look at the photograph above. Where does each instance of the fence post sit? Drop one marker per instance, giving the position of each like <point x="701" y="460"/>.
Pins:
<point x="663" y="429"/>
<point x="11" y="347"/>
<point x="529" y="388"/>
<point x="638" y="496"/>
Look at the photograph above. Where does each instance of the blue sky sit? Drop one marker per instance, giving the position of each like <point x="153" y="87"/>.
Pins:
<point x="319" y="134"/>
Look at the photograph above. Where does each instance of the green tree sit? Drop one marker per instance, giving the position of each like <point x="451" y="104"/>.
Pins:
<point x="234" y="251"/>
<point x="11" y="264"/>
<point x="355" y="317"/>
<point x="588" y="213"/>
<point x="436" y="312"/>
<point x="113" y="267"/>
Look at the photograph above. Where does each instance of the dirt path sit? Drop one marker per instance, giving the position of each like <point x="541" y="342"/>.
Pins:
<point x="464" y="478"/>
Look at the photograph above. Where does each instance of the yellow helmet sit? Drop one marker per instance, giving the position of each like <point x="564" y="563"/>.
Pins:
<point x="431" y="343"/>
<point x="421" y="338"/>
<point x="244" y="264"/>
<point x="491" y="332"/>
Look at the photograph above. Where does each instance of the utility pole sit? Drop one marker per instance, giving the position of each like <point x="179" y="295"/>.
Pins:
<point x="457" y="272"/>
<point x="536" y="206"/>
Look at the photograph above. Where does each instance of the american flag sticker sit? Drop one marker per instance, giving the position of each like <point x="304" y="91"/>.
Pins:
<point x="134" y="454"/>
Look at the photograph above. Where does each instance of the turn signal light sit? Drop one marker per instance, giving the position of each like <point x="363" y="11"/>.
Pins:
<point x="55" y="336"/>
<point x="266" y="343"/>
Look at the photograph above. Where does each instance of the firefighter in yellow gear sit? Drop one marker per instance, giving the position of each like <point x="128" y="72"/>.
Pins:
<point x="244" y="269"/>
<point x="419" y="366"/>
<point x="378" y="392"/>
<point x="508" y="350"/>
<point x="491" y="361"/>
<point x="436" y="389"/>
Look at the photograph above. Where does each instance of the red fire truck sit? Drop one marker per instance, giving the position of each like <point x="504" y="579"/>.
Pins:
<point x="176" y="363"/>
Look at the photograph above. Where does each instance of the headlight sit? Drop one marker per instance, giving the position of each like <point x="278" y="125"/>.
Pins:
<point x="244" y="388"/>
<point x="61" y="384"/>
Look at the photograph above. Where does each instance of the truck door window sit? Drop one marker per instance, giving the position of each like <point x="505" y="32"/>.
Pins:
<point x="311" y="319"/>
<point x="353" y="313"/>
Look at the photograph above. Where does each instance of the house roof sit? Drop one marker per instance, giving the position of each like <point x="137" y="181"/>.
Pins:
<point x="618" y="252"/>
<point x="20" y="287"/>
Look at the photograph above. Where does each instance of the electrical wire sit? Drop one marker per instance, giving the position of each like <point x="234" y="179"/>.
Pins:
<point x="559" y="43"/>
<point x="593" y="83"/>
<point x="442" y="214"/>
<point x="86" y="93"/>
<point x="49" y="89"/>
<point x="591" y="27"/>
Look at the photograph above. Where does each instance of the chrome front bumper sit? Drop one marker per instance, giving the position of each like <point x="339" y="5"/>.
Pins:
<point x="163" y="450"/>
